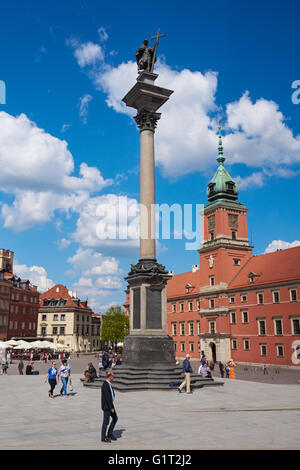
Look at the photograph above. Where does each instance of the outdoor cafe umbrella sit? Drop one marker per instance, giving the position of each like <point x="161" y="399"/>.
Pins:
<point x="11" y="342"/>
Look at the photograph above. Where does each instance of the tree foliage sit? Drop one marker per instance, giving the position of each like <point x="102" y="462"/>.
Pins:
<point x="115" y="324"/>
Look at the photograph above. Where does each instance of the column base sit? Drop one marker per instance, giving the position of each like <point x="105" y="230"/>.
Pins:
<point x="148" y="352"/>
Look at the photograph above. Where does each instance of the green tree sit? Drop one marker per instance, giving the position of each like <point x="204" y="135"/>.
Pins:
<point x="115" y="325"/>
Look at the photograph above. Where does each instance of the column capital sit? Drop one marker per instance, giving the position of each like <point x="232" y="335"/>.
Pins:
<point x="147" y="120"/>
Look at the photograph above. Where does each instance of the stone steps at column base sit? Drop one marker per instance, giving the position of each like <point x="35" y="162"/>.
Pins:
<point x="126" y="382"/>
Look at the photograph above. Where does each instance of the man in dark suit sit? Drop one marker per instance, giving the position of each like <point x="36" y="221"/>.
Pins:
<point x="107" y="402"/>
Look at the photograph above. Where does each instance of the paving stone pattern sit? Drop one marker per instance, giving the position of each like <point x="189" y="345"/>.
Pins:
<point x="239" y="415"/>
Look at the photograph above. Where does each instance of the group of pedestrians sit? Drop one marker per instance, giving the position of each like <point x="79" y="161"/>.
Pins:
<point x="53" y="375"/>
<point x="228" y="369"/>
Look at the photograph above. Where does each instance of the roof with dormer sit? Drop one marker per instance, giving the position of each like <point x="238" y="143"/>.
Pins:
<point x="278" y="266"/>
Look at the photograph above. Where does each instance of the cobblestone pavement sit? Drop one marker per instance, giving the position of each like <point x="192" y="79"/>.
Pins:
<point x="239" y="415"/>
<point x="250" y="373"/>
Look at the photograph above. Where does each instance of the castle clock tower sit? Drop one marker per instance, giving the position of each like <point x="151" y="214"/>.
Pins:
<point x="225" y="249"/>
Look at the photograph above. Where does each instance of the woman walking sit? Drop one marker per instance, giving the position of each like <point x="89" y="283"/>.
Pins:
<point x="64" y="372"/>
<point x="231" y="369"/>
<point x="52" y="378"/>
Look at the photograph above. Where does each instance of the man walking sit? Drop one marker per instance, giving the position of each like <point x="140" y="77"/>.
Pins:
<point x="107" y="402"/>
<point x="187" y="369"/>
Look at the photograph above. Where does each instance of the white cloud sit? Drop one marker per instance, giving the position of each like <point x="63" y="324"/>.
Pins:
<point x="103" y="36"/>
<point x="86" y="54"/>
<point x="256" y="131"/>
<point x="40" y="174"/>
<point x="64" y="243"/>
<point x="37" y="276"/>
<point x="83" y="107"/>
<point x="281" y="245"/>
<point x="105" y="220"/>
<point x="99" y="277"/>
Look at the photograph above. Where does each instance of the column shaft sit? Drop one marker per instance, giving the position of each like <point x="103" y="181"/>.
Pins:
<point x="147" y="195"/>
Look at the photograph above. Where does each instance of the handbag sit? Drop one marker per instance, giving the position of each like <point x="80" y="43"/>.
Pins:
<point x="71" y="385"/>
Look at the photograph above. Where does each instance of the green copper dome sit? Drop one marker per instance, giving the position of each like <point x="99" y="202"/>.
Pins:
<point x="221" y="186"/>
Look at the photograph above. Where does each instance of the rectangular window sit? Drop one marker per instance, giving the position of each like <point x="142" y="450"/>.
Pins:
<point x="246" y="345"/>
<point x="44" y="317"/>
<point x="232" y="318"/>
<point x="212" y="280"/>
<point x="261" y="327"/>
<point x="63" y="317"/>
<point x="233" y="235"/>
<point x="182" y="307"/>
<point x="54" y="330"/>
<point x="212" y="327"/>
<point x="296" y="326"/>
<point x="232" y="299"/>
<point x="55" y="317"/>
<point x="173" y="308"/>
<point x="174" y="329"/>
<point x="191" y="347"/>
<point x="191" y="328"/>
<point x="198" y="327"/>
<point x="244" y="298"/>
<point x="212" y="303"/>
<point x="293" y="295"/>
<point x="263" y="349"/>
<point x="62" y="330"/>
<point x="182" y="329"/>
<point x="198" y="305"/>
<point x="182" y="347"/>
<point x="43" y="330"/>
<point x="212" y="236"/>
<point x="245" y="318"/>
<point x="234" y="344"/>
<point x="280" y="350"/>
<point x="175" y="347"/>
<point x="236" y="261"/>
<point x="260" y="299"/>
<point x="211" y="222"/>
<point x="278" y="327"/>
<point x="190" y="306"/>
<point x="276" y="297"/>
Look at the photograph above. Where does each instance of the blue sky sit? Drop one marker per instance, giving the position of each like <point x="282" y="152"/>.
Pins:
<point x="68" y="147"/>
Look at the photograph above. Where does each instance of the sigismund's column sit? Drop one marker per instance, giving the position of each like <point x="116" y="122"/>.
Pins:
<point x="148" y="345"/>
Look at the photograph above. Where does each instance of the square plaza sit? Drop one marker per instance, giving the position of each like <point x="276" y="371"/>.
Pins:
<point x="239" y="415"/>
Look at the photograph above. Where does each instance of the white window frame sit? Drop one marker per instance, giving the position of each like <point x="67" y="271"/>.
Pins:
<point x="258" y="323"/>
<point x="261" y="351"/>
<point x="182" y="346"/>
<point x="174" y="328"/>
<point x="273" y="294"/>
<point x="181" y="307"/>
<point x="275" y="328"/>
<point x="246" y="349"/>
<point x="292" y="324"/>
<point x="234" y="344"/>
<point x="231" y="314"/>
<point x="191" y="347"/>
<point x="212" y="322"/>
<point x="258" y="302"/>
<point x="191" y="327"/>
<point x="243" y="295"/>
<point x="277" y="350"/>
<point x="182" y="327"/>
<point x="174" y="308"/>
<point x="243" y="321"/>
<point x="191" y="303"/>
<point x="293" y="289"/>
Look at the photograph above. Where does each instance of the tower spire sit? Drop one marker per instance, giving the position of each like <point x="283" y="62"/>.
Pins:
<point x="221" y="158"/>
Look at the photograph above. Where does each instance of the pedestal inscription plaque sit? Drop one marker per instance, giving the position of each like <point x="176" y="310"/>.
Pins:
<point x="153" y="308"/>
